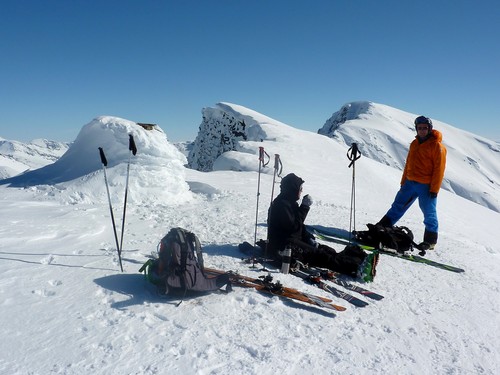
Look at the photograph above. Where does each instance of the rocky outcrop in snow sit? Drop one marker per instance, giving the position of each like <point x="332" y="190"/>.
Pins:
<point x="219" y="132"/>
<point x="222" y="129"/>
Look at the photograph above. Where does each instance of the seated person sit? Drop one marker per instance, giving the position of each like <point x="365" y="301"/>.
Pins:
<point x="286" y="228"/>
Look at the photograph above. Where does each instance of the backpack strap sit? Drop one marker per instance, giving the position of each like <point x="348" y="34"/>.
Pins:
<point x="198" y="250"/>
<point x="189" y="242"/>
<point x="184" y="247"/>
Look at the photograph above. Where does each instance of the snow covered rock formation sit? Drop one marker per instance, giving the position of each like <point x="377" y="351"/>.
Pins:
<point x="222" y="129"/>
<point x="157" y="170"/>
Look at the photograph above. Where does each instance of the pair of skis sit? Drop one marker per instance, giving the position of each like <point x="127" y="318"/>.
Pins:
<point x="266" y="285"/>
<point x="104" y="161"/>
<point x="319" y="276"/>
<point x="329" y="236"/>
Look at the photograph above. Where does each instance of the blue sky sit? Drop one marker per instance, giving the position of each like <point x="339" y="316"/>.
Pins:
<point x="66" y="62"/>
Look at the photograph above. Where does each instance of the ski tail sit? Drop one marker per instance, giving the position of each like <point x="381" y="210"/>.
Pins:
<point x="316" y="280"/>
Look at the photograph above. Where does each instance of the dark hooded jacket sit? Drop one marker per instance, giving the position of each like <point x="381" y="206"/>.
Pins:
<point x="286" y="217"/>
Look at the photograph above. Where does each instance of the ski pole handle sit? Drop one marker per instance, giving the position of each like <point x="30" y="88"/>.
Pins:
<point x="261" y="156"/>
<point x="261" y="153"/>
<point x="276" y="161"/>
<point x="103" y="157"/>
<point x="353" y="154"/>
<point x="278" y="166"/>
<point x="131" y="144"/>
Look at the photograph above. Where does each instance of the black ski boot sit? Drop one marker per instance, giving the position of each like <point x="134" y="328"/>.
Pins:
<point x="385" y="222"/>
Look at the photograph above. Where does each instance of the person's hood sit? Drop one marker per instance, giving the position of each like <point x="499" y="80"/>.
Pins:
<point x="437" y="134"/>
<point x="290" y="185"/>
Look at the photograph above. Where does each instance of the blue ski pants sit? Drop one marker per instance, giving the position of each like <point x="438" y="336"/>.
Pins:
<point x="406" y="196"/>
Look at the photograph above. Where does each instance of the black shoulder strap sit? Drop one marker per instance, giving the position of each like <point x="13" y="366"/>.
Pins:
<point x="198" y="250"/>
<point x="181" y="238"/>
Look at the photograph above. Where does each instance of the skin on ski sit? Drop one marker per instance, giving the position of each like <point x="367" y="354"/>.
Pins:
<point x="322" y="285"/>
<point x="333" y="277"/>
<point x="287" y="292"/>
<point x="341" y="241"/>
<point x="410" y="257"/>
<point x="355" y="288"/>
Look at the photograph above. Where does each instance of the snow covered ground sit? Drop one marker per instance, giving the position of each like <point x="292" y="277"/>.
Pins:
<point x="67" y="309"/>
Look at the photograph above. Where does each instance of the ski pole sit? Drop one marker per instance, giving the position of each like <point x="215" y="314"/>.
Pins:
<point x="278" y="169"/>
<point x="133" y="150"/>
<point x="353" y="154"/>
<point x="104" y="165"/>
<point x="261" y="164"/>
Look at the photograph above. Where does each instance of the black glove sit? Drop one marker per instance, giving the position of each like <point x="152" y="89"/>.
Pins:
<point x="433" y="195"/>
<point x="307" y="200"/>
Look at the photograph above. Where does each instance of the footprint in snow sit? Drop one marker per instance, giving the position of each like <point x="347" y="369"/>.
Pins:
<point x="55" y="282"/>
<point x="44" y="293"/>
<point x="47" y="260"/>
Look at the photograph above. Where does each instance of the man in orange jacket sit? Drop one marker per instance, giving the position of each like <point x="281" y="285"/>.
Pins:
<point x="422" y="178"/>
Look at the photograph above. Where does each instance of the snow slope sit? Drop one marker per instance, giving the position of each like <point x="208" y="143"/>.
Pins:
<point x="385" y="133"/>
<point x="17" y="157"/>
<point x="66" y="308"/>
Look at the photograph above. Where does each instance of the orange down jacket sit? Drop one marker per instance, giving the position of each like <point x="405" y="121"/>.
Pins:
<point x="426" y="162"/>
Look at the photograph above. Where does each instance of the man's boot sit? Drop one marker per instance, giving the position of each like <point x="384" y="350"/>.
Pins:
<point x="430" y="240"/>
<point x="385" y="222"/>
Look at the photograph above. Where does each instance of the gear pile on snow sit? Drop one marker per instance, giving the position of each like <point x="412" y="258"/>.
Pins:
<point x="396" y="238"/>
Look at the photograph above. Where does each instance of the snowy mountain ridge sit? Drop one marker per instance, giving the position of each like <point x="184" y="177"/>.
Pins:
<point x="17" y="157"/>
<point x="382" y="133"/>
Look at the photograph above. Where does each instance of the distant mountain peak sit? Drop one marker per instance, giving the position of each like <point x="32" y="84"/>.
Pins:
<point x="349" y="111"/>
<point x="384" y="134"/>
